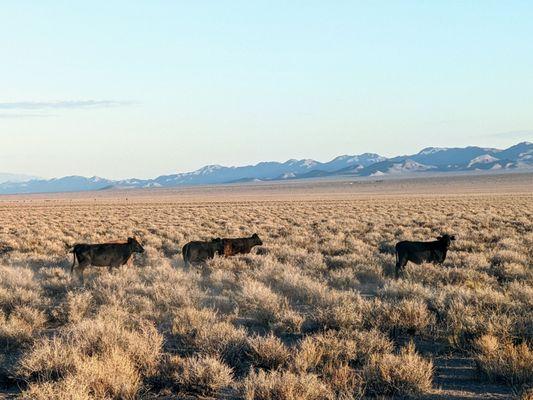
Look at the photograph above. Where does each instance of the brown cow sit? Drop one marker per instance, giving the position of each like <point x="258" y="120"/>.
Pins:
<point x="195" y="252"/>
<point x="240" y="245"/>
<point x="104" y="255"/>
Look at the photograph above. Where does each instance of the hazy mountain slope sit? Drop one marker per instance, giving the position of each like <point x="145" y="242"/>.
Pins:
<point x="368" y="164"/>
<point x="9" y="177"/>
<point x="65" y="184"/>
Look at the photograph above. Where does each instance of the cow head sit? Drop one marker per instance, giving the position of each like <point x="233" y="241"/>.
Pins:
<point x="257" y="240"/>
<point x="135" y="245"/>
<point x="447" y="239"/>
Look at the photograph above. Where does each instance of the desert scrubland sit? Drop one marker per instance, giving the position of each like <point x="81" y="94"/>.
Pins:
<point x="315" y="313"/>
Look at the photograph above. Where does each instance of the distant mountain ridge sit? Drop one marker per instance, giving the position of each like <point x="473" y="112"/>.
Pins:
<point x="430" y="159"/>
<point x="9" y="177"/>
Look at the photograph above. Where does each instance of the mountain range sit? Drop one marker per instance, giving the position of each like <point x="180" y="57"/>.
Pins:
<point x="7" y="177"/>
<point x="431" y="159"/>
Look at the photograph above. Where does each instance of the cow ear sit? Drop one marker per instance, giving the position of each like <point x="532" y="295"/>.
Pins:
<point x="130" y="239"/>
<point x="439" y="237"/>
<point x="452" y="237"/>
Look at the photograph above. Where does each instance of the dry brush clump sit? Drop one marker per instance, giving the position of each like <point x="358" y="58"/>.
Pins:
<point x="314" y="313"/>
<point x="199" y="375"/>
<point x="285" y="385"/>
<point x="406" y="373"/>
<point x="506" y="362"/>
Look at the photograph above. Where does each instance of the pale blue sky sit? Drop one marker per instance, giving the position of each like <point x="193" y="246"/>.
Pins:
<point x="143" y="88"/>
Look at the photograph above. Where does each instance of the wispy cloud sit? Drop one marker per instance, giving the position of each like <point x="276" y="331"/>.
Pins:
<point x="65" y="104"/>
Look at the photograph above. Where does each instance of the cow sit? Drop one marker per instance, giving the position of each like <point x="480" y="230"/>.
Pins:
<point x="240" y="245"/>
<point x="197" y="251"/>
<point x="420" y="252"/>
<point x="109" y="255"/>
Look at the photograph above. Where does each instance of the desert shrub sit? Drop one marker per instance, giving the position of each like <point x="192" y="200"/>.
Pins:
<point x="312" y="263"/>
<point x="336" y="358"/>
<point x="509" y="272"/>
<point x="293" y="284"/>
<point x="199" y="331"/>
<point x="75" y="307"/>
<point x="19" y="328"/>
<point x="369" y="273"/>
<point x="279" y="385"/>
<point x="340" y="310"/>
<point x="189" y="323"/>
<point x="512" y="364"/>
<point x="345" y="382"/>
<point x="259" y="302"/>
<point x="465" y="314"/>
<point x="368" y="343"/>
<point x="318" y="352"/>
<point x="107" y="337"/>
<point x="507" y="257"/>
<point x="408" y="315"/>
<point x="403" y="289"/>
<point x="268" y="352"/>
<point x="204" y="375"/>
<point x="221" y="279"/>
<point x="401" y="374"/>
<point x="68" y="390"/>
<point x="111" y="377"/>
<point x="520" y="293"/>
<point x="343" y="279"/>
<point x="19" y="288"/>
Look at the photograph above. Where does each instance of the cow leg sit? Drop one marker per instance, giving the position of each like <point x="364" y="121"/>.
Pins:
<point x="80" y="269"/>
<point x="73" y="264"/>
<point x="115" y="265"/>
<point x="400" y="264"/>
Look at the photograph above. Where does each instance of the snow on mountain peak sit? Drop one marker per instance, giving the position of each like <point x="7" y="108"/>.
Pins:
<point x="208" y="169"/>
<point x="308" y="162"/>
<point x="482" y="159"/>
<point x="432" y="150"/>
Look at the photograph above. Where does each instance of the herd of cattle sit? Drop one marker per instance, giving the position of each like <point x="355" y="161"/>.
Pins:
<point x="116" y="254"/>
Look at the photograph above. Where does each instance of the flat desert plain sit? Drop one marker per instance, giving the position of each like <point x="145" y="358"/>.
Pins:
<point x="314" y="313"/>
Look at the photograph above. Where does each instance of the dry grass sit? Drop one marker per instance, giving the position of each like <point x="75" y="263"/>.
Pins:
<point x="510" y="363"/>
<point x="405" y="374"/>
<point x="276" y="385"/>
<point x="202" y="375"/>
<point x="312" y="314"/>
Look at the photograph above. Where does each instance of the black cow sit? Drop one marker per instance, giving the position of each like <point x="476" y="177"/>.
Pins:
<point x="420" y="252"/>
<point x="197" y="251"/>
<point x="240" y="245"/>
<point x="104" y="255"/>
